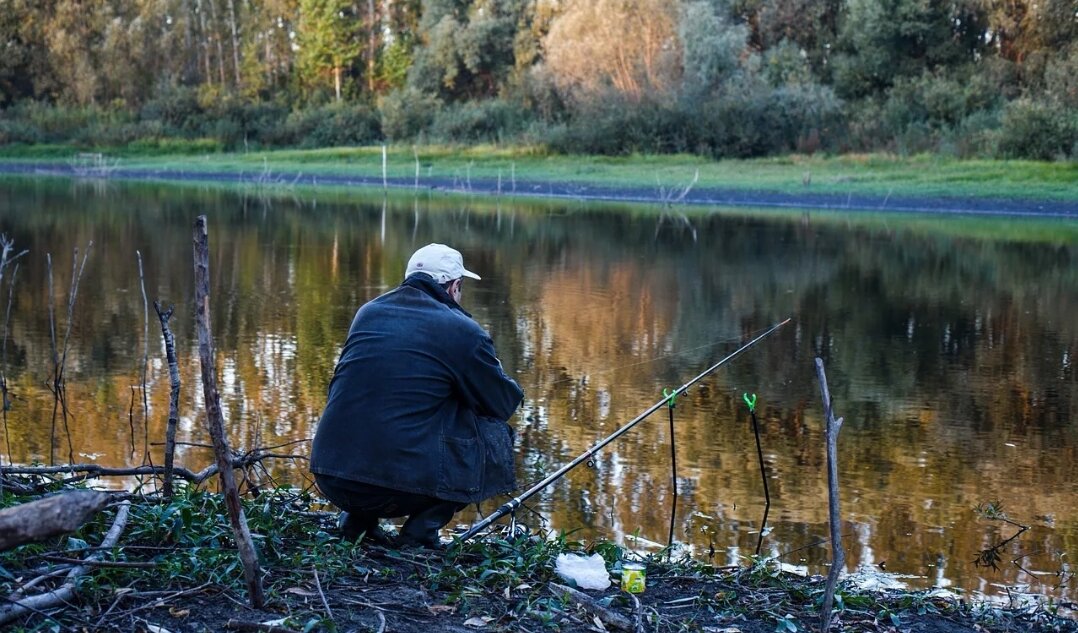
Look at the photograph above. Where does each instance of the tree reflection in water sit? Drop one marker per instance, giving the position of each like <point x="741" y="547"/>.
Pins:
<point x="949" y="345"/>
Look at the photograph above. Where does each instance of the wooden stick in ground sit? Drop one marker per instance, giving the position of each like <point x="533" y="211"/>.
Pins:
<point x="173" y="396"/>
<point x="215" y="420"/>
<point x="66" y="592"/>
<point x="838" y="555"/>
<point x="51" y="516"/>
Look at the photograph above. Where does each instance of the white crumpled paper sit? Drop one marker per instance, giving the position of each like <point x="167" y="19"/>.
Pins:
<point x="588" y="572"/>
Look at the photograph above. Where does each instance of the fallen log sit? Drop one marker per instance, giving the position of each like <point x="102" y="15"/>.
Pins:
<point x="66" y="592"/>
<point x="38" y="520"/>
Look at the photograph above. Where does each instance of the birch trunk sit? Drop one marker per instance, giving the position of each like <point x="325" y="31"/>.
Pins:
<point x="372" y="41"/>
<point x="217" y="41"/>
<point x="235" y="39"/>
<point x="205" y="45"/>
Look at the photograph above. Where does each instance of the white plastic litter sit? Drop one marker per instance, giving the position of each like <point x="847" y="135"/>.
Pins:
<point x="588" y="572"/>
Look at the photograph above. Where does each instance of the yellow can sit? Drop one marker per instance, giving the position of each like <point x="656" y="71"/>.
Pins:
<point x="633" y="577"/>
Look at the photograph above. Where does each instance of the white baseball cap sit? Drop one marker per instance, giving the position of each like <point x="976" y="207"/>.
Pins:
<point x="440" y="262"/>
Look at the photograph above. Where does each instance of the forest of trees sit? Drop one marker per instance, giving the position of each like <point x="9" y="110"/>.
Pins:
<point x="719" y="78"/>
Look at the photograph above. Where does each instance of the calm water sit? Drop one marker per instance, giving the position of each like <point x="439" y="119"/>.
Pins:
<point x="949" y="344"/>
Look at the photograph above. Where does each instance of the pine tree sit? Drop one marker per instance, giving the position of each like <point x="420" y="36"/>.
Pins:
<point x="329" y="39"/>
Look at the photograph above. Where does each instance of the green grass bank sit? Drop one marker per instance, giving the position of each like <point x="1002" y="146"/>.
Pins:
<point x="856" y="174"/>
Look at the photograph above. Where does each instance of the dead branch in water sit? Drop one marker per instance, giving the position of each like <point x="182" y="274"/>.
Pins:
<point x="145" y="362"/>
<point x="59" y="358"/>
<point x="251" y="569"/>
<point x="838" y="555"/>
<point x="7" y="245"/>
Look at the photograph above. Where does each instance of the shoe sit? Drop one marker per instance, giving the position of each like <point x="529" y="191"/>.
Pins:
<point x="422" y="528"/>
<point x="405" y="541"/>
<point x="364" y="530"/>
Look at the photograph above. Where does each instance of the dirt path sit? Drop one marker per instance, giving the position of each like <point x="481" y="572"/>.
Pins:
<point x="702" y="196"/>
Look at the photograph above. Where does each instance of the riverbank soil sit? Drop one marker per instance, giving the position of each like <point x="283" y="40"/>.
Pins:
<point x="175" y="569"/>
<point x="396" y="593"/>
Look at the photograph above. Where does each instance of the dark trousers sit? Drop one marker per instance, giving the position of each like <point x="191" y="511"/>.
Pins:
<point x="365" y="504"/>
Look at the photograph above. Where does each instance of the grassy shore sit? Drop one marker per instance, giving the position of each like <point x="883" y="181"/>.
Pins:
<point x="875" y="174"/>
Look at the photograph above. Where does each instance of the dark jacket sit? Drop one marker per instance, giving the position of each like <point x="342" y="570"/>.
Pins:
<point x="413" y="391"/>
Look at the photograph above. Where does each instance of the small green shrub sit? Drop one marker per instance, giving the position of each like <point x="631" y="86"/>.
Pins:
<point x="18" y="131"/>
<point x="178" y="110"/>
<point x="1038" y="130"/>
<point x="407" y="113"/>
<point x="335" y="125"/>
<point x="479" y="122"/>
<point x="176" y="146"/>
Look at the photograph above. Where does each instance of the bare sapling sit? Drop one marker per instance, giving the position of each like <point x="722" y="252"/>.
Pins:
<point x="838" y="555"/>
<point x="215" y="420"/>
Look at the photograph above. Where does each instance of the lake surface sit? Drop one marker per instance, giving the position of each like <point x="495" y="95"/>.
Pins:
<point x="949" y="344"/>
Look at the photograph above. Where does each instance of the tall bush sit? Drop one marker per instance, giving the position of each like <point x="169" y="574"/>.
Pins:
<point x="492" y="120"/>
<point x="1038" y="130"/>
<point x="407" y="113"/>
<point x="335" y="125"/>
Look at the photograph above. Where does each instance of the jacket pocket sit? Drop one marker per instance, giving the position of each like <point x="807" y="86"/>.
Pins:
<point x="499" y="471"/>
<point x="461" y="469"/>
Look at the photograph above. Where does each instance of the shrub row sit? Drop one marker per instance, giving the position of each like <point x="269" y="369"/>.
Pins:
<point x="747" y="118"/>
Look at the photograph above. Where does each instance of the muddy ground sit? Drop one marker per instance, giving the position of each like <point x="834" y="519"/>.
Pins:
<point x="407" y="591"/>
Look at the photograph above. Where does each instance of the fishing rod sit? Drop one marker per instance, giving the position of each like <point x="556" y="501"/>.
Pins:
<point x="514" y="503"/>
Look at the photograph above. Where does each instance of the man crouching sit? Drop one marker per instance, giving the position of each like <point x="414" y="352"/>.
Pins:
<point x="416" y="423"/>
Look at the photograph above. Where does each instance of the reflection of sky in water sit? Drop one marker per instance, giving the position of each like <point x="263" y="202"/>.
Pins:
<point x="951" y="359"/>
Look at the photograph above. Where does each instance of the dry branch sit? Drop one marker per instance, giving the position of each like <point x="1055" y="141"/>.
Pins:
<point x="66" y="592"/>
<point x="173" y="395"/>
<point x="52" y="516"/>
<point x="606" y="616"/>
<point x="82" y="472"/>
<point x="838" y="555"/>
<point x="251" y="569"/>
<point x="257" y="627"/>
